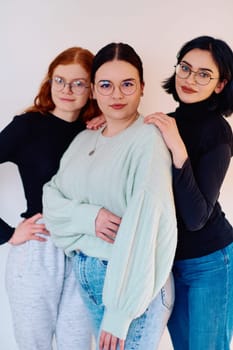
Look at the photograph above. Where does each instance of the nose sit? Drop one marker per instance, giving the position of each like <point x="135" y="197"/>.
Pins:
<point x="191" y="78"/>
<point x="67" y="88"/>
<point x="117" y="92"/>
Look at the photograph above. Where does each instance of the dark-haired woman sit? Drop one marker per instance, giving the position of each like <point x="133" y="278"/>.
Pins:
<point x="200" y="141"/>
<point x="125" y="281"/>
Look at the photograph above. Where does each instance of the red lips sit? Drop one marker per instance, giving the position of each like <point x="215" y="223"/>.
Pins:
<point x="118" y="106"/>
<point x="187" y="90"/>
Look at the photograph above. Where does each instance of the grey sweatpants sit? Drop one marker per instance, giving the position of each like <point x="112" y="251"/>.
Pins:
<point x="44" y="299"/>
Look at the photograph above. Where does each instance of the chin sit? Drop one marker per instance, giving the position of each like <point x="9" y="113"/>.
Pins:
<point x="188" y="99"/>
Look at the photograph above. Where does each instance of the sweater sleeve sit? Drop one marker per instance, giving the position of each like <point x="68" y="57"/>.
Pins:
<point x="66" y="218"/>
<point x="145" y="245"/>
<point x="6" y="231"/>
<point x="10" y="138"/>
<point x="196" y="195"/>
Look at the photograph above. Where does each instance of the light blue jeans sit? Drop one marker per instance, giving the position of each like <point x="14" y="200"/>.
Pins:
<point x="146" y="331"/>
<point x="202" y="318"/>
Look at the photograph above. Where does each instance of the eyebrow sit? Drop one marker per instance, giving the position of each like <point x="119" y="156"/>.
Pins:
<point x="128" y="79"/>
<point x="207" y="69"/>
<point x="60" y="76"/>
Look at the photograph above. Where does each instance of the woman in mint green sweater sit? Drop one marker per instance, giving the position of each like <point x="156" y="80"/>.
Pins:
<point x="124" y="278"/>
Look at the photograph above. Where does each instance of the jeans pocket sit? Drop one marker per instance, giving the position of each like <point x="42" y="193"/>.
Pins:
<point x="103" y="263"/>
<point x="168" y="293"/>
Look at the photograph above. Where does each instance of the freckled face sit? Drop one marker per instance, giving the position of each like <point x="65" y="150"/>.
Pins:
<point x="187" y="89"/>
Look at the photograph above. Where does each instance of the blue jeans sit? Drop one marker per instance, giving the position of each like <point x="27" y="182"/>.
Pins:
<point x="202" y="318"/>
<point x="144" y="332"/>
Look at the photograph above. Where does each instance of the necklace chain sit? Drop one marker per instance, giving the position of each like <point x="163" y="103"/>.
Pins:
<point x="96" y="141"/>
<point x="101" y="132"/>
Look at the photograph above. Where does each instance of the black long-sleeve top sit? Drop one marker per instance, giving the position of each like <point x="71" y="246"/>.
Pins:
<point x="35" y="143"/>
<point x="202" y="225"/>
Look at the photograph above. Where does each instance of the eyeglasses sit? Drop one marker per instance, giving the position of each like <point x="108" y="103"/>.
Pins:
<point x="126" y="87"/>
<point x="76" y="86"/>
<point x="201" y="77"/>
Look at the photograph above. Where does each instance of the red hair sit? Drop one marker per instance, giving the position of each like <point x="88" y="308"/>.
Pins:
<point x="43" y="102"/>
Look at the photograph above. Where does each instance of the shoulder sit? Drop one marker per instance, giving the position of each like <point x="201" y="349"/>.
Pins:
<point x="26" y="120"/>
<point x="81" y="141"/>
<point x="28" y="117"/>
<point x="146" y="142"/>
<point x="148" y="134"/>
<point x="225" y="127"/>
<point x="217" y="131"/>
<point x="19" y="125"/>
<point x="85" y="136"/>
<point x="217" y="124"/>
<point x="142" y="128"/>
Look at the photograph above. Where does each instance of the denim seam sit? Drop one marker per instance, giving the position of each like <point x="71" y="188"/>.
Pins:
<point x="227" y="261"/>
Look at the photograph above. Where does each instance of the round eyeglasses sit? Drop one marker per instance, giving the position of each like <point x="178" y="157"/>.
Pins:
<point x="126" y="87"/>
<point x="201" y="77"/>
<point x="78" y="86"/>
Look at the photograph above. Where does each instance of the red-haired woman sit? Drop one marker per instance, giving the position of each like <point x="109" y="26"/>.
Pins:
<point x="40" y="282"/>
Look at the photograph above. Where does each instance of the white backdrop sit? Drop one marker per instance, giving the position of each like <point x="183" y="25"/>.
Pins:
<point x="33" y="32"/>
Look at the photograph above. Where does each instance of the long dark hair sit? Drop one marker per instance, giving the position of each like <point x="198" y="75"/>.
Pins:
<point x="223" y="57"/>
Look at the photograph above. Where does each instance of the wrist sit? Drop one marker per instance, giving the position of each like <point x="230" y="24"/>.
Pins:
<point x="179" y="159"/>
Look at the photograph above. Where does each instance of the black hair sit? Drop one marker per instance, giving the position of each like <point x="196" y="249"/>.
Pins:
<point x="117" y="51"/>
<point x="223" y="57"/>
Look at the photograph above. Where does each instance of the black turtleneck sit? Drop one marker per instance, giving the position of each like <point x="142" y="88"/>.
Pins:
<point x="35" y="143"/>
<point x="202" y="226"/>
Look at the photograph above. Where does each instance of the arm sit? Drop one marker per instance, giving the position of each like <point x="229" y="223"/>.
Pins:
<point x="171" y="136"/>
<point x="27" y="230"/>
<point x="195" y="195"/>
<point x="10" y="138"/>
<point x="6" y="231"/>
<point x="107" y="225"/>
<point x="67" y="218"/>
<point x="145" y="245"/>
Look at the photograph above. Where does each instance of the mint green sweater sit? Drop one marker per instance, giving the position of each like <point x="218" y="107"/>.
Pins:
<point x="130" y="175"/>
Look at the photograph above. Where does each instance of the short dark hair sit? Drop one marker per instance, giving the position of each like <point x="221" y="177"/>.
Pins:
<point x="223" y="57"/>
<point x="117" y="51"/>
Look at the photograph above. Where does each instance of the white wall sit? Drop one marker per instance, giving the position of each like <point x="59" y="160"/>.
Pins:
<point x="33" y="32"/>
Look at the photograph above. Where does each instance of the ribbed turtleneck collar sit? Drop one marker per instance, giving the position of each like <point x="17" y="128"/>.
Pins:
<point x="195" y="111"/>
